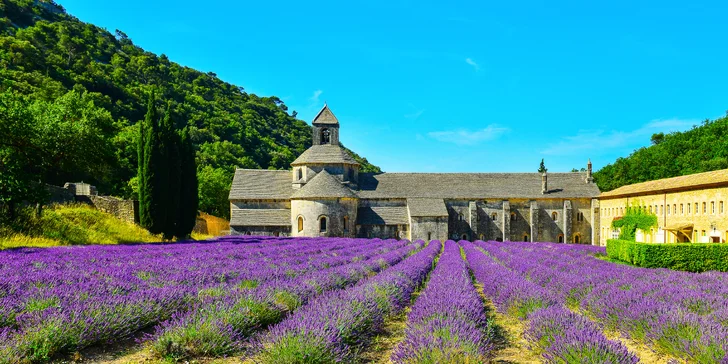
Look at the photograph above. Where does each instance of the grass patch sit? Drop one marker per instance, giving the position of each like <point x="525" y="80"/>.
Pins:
<point x="74" y="224"/>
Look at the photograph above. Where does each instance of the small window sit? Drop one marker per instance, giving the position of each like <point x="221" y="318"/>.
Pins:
<point x="561" y="238"/>
<point x="322" y="224"/>
<point x="346" y="223"/>
<point x="650" y="208"/>
<point x="481" y="237"/>
<point x="580" y="217"/>
<point x="429" y="236"/>
<point x="696" y="208"/>
<point x="513" y="216"/>
<point x="554" y="216"/>
<point x="494" y="216"/>
<point x="577" y="239"/>
<point x="721" y="206"/>
<point x="668" y="210"/>
<point x="299" y="174"/>
<point x="464" y="237"/>
<point x="689" y="208"/>
<point x="662" y="209"/>
<point x="682" y="210"/>
<point x="705" y="208"/>
<point x="460" y="217"/>
<point x="325" y="136"/>
<point x="525" y="237"/>
<point x="712" y="207"/>
<point x="674" y="209"/>
<point x="300" y="224"/>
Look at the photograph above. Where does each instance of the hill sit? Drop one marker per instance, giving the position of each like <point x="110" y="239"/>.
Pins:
<point x="50" y="59"/>
<point x="701" y="149"/>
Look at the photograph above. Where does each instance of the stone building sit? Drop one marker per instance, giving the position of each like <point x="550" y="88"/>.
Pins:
<point x="688" y="208"/>
<point x="325" y="195"/>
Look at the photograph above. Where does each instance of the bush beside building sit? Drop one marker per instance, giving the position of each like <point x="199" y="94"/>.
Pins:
<point x="682" y="256"/>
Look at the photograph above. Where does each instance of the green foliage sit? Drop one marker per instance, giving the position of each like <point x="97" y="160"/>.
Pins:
<point x="188" y="201"/>
<point x="542" y="167"/>
<point x="633" y="219"/>
<point x="695" y="257"/>
<point x="47" y="55"/>
<point x="701" y="149"/>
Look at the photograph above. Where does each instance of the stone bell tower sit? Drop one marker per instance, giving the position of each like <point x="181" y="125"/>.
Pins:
<point x="325" y="128"/>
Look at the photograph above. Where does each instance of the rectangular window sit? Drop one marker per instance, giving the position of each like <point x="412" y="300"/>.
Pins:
<point x="688" y="208"/>
<point x="682" y="210"/>
<point x="662" y="209"/>
<point x="696" y="208"/>
<point x="650" y="208"/>
<point x="712" y="207"/>
<point x="705" y="208"/>
<point x="721" y="207"/>
<point x="674" y="209"/>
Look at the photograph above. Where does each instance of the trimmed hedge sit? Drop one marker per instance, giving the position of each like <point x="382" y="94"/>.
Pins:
<point x="695" y="257"/>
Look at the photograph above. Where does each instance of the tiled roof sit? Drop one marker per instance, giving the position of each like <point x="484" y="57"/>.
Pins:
<point x="260" y="217"/>
<point x="325" y="116"/>
<point x="261" y="184"/>
<point x="426" y="207"/>
<point x="327" y="153"/>
<point x="692" y="181"/>
<point x="323" y="185"/>
<point x="474" y="185"/>
<point x="382" y="216"/>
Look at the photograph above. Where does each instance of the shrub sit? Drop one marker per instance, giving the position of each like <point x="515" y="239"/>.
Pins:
<point x="695" y="257"/>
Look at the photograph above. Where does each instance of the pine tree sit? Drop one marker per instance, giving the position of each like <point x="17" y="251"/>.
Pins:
<point x="188" y="201"/>
<point x="170" y="151"/>
<point x="542" y="167"/>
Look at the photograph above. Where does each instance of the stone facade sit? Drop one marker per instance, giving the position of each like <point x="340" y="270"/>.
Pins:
<point x="688" y="208"/>
<point x="325" y="184"/>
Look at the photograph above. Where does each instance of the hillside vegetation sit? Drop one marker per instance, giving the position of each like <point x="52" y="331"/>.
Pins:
<point x="701" y="149"/>
<point x="49" y="60"/>
<point x="61" y="225"/>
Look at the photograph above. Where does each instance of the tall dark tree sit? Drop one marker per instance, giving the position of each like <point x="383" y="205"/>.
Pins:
<point x="143" y="191"/>
<point x="542" y="168"/>
<point x="188" y="200"/>
<point x="153" y="213"/>
<point x="169" y="139"/>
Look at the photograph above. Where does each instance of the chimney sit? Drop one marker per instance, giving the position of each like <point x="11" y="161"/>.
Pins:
<point x="544" y="184"/>
<point x="589" y="178"/>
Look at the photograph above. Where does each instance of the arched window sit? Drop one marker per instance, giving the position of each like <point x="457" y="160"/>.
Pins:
<point x="464" y="237"/>
<point x="494" y="216"/>
<point x="561" y="238"/>
<point x="554" y="215"/>
<point x="322" y="224"/>
<point x="300" y="224"/>
<point x="525" y="237"/>
<point x="325" y="136"/>
<point x="460" y="217"/>
<point x="577" y="239"/>
<point x="346" y="223"/>
<point x="482" y="237"/>
<point x="513" y="216"/>
<point x="299" y="174"/>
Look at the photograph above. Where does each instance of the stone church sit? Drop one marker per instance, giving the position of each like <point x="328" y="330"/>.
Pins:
<point x="325" y="195"/>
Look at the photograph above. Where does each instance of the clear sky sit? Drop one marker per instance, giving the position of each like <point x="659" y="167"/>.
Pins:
<point x="457" y="86"/>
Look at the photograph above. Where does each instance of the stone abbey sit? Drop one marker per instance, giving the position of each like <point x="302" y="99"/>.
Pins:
<point x="325" y="195"/>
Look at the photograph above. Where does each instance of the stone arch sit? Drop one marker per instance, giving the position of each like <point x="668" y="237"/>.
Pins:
<point x="525" y="237"/>
<point x="494" y="216"/>
<point x="577" y="238"/>
<point x="464" y="237"/>
<point x="560" y="239"/>
<point x="299" y="221"/>
<point x="554" y="215"/>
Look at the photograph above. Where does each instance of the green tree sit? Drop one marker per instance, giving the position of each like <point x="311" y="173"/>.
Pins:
<point x="188" y="200"/>
<point x="542" y="167"/>
<point x="153" y="213"/>
<point x="171" y="169"/>
<point x="214" y="189"/>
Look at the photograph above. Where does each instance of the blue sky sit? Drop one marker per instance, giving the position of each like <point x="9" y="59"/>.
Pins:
<point x="457" y="86"/>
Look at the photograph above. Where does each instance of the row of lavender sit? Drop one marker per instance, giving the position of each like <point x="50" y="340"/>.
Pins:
<point x="63" y="299"/>
<point x="681" y="314"/>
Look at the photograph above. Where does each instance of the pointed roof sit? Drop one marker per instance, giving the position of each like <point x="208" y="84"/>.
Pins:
<point x="325" y="116"/>
<point x="323" y="185"/>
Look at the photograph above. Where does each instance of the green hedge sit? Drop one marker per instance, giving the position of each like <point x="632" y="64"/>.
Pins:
<point x="696" y="257"/>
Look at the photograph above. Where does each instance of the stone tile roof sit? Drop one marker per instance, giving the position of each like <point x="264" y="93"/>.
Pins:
<point x="325" y="116"/>
<point x="474" y="185"/>
<point x="426" y="207"/>
<point x="692" y="181"/>
<point x="261" y="184"/>
<point x="260" y="217"/>
<point x="323" y="185"/>
<point x="327" y="153"/>
<point x="382" y="216"/>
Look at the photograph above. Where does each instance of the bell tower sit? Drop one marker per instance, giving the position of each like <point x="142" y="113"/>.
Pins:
<point x="325" y="128"/>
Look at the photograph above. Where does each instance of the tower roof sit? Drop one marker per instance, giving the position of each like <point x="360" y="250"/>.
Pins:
<point x="323" y="185"/>
<point x="325" y="116"/>
<point x="325" y="154"/>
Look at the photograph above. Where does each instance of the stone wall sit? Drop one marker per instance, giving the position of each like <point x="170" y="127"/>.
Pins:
<point x="334" y="210"/>
<point x="428" y="228"/>
<point x="58" y="194"/>
<point x="127" y="210"/>
<point x="382" y="231"/>
<point x="261" y="230"/>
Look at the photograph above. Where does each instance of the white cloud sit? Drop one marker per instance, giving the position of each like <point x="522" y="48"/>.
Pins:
<point x="471" y="62"/>
<point x="468" y="137"/>
<point x="415" y="114"/>
<point x="315" y="98"/>
<point x="589" y="140"/>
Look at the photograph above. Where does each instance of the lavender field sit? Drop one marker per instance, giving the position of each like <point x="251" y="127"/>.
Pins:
<point x="328" y="300"/>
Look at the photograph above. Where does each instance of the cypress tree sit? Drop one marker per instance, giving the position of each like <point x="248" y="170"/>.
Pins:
<point x="145" y="217"/>
<point x="188" y="202"/>
<point x="170" y="150"/>
<point x="156" y="177"/>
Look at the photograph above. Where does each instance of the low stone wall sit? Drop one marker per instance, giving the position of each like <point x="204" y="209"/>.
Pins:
<point x="58" y="194"/>
<point x="127" y="210"/>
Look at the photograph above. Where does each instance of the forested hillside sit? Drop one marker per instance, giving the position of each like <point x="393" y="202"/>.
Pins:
<point x="91" y="86"/>
<point x="701" y="149"/>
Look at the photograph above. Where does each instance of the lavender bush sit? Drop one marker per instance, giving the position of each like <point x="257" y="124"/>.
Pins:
<point x="447" y="323"/>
